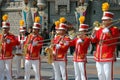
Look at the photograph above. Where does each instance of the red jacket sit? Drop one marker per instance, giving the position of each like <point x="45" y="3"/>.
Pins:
<point x="33" y="52"/>
<point x="6" y="48"/>
<point x="80" y="49"/>
<point x="61" y="53"/>
<point x="106" y="49"/>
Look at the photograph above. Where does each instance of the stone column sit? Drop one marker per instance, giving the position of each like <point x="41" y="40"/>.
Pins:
<point x="26" y="13"/>
<point x="80" y="11"/>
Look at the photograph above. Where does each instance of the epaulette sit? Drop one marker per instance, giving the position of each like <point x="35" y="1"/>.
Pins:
<point x="115" y="27"/>
<point x="66" y="36"/>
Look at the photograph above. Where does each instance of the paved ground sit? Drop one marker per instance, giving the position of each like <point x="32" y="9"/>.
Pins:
<point x="47" y="72"/>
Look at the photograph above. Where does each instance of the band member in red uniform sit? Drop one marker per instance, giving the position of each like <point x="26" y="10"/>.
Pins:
<point x="81" y="44"/>
<point x="60" y="48"/>
<point x="32" y="47"/>
<point x="19" y="48"/>
<point x="7" y="42"/>
<point x="105" y="38"/>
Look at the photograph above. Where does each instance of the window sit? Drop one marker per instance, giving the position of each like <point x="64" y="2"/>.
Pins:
<point x="62" y="10"/>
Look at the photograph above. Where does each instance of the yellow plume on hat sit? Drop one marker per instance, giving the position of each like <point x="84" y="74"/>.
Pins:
<point x="37" y="19"/>
<point x="105" y="6"/>
<point x="62" y="19"/>
<point x="21" y="23"/>
<point x="57" y="23"/>
<point x="5" y="17"/>
<point x="82" y="19"/>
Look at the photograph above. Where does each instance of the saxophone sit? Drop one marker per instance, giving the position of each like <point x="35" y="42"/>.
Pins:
<point x="26" y="46"/>
<point x="49" y="51"/>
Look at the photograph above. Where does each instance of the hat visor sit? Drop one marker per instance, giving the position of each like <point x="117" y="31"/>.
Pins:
<point x="61" y="29"/>
<point x="105" y="18"/>
<point x="81" y="29"/>
<point x="5" y="27"/>
<point x="22" y="30"/>
<point x="35" y="27"/>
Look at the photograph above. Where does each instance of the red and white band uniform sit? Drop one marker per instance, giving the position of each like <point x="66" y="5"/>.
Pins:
<point x="60" y="49"/>
<point x="19" y="52"/>
<point x="104" y="54"/>
<point x="106" y="39"/>
<point x="79" y="57"/>
<point x="32" y="57"/>
<point x="7" y="42"/>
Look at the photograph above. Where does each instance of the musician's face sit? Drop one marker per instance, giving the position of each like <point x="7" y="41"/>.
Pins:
<point x="106" y="22"/>
<point x="35" y="31"/>
<point x="22" y="33"/>
<point x="84" y="32"/>
<point x="6" y="30"/>
<point x="61" y="32"/>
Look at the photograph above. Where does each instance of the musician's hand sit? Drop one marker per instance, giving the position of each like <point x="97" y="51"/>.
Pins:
<point x="52" y="45"/>
<point x="79" y="41"/>
<point x="21" y="41"/>
<point x="58" y="46"/>
<point x="34" y="43"/>
<point x="105" y="30"/>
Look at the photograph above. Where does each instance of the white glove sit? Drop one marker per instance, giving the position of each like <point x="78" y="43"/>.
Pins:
<point x="79" y="41"/>
<point x="34" y="43"/>
<point x="105" y="30"/>
<point x="8" y="41"/>
<point x="57" y="46"/>
<point x="66" y="43"/>
<point x="22" y="41"/>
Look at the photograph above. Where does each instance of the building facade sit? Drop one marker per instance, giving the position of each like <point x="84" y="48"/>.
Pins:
<point x="56" y="8"/>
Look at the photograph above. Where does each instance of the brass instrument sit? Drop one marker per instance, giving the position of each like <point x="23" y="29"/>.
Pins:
<point x="49" y="51"/>
<point x="26" y="46"/>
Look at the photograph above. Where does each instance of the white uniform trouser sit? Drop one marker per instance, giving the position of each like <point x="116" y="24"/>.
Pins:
<point x="80" y="70"/>
<point x="105" y="70"/>
<point x="6" y="69"/>
<point x="18" y="65"/>
<point x="60" y="69"/>
<point x="36" y="67"/>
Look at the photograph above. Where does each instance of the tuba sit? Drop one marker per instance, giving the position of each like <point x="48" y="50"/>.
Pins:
<point x="49" y="51"/>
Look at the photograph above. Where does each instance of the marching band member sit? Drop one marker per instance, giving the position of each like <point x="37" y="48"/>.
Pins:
<point x="7" y="42"/>
<point x="61" y="45"/>
<point x="19" y="48"/>
<point x="96" y="26"/>
<point x="32" y="47"/>
<point x="105" y="53"/>
<point x="81" y="44"/>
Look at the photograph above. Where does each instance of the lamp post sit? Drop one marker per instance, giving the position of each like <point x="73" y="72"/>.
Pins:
<point x="43" y="16"/>
<point x="80" y="11"/>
